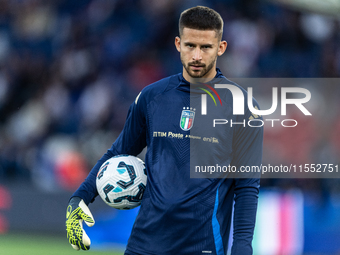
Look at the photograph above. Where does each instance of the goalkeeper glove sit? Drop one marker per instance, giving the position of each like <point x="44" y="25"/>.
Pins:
<point x="77" y="212"/>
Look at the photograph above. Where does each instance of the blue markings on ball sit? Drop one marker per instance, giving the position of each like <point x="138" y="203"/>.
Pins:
<point x="102" y="170"/>
<point x="131" y="172"/>
<point x="117" y="189"/>
<point x="121" y="170"/>
<point x="106" y="190"/>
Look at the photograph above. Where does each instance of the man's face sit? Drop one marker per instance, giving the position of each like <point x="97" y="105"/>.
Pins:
<point x="199" y="50"/>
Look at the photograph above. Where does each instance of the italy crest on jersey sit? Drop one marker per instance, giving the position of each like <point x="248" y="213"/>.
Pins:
<point x="187" y="119"/>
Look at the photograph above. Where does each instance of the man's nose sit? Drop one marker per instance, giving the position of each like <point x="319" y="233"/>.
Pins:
<point x="197" y="54"/>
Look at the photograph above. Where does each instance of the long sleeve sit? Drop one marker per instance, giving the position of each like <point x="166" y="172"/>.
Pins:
<point x="131" y="141"/>
<point x="248" y="143"/>
<point x="244" y="220"/>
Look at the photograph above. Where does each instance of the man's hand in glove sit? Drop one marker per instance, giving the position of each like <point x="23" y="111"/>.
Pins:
<point x="77" y="212"/>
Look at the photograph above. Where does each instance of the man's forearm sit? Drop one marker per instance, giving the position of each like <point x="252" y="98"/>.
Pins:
<point x="244" y="220"/>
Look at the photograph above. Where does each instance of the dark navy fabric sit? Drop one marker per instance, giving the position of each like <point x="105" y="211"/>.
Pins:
<point x="179" y="214"/>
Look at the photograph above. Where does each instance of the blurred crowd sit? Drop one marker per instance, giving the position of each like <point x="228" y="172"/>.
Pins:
<point x="70" y="69"/>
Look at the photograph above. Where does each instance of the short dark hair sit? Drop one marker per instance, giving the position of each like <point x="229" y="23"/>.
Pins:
<point x="201" y="18"/>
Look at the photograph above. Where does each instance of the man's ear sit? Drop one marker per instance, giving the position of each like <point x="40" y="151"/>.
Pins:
<point x="178" y="43"/>
<point x="222" y="47"/>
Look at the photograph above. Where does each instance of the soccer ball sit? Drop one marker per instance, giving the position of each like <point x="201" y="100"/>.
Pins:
<point x="121" y="181"/>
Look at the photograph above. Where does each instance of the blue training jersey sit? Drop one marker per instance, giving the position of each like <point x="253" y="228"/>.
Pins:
<point x="180" y="214"/>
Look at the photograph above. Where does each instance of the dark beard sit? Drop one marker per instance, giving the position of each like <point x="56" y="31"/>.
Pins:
<point x="204" y="71"/>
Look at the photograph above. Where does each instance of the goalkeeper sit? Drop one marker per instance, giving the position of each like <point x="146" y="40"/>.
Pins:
<point x="179" y="214"/>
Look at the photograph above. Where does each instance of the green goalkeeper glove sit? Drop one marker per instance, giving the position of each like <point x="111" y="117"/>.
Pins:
<point x="77" y="212"/>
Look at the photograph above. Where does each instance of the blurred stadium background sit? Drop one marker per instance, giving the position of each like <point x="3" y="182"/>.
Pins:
<point x="70" y="69"/>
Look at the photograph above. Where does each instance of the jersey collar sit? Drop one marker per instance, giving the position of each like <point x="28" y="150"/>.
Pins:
<point x="184" y="85"/>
